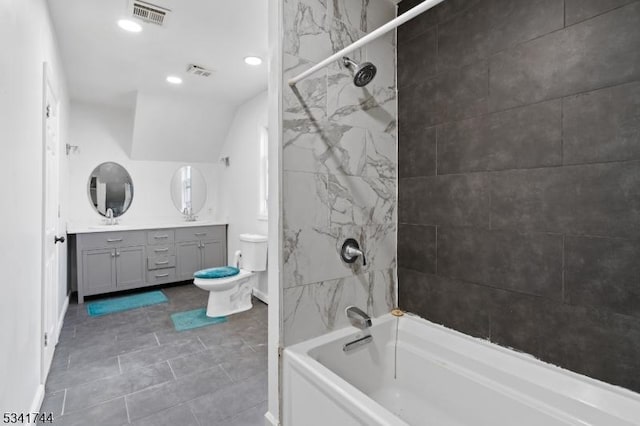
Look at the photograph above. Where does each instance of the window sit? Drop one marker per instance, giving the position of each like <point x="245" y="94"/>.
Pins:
<point x="264" y="174"/>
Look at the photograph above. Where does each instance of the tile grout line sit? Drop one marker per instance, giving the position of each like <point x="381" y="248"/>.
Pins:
<point x="194" y="415"/>
<point x="64" y="402"/>
<point x="171" y="368"/>
<point x="202" y="343"/>
<point x="157" y="340"/>
<point x="126" y="407"/>
<point x="225" y="372"/>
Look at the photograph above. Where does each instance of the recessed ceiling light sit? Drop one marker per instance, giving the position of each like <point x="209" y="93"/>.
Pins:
<point x="130" y="26"/>
<point x="253" y="60"/>
<point x="174" y="80"/>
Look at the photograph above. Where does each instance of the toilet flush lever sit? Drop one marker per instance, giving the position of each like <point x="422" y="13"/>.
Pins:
<point x="351" y="251"/>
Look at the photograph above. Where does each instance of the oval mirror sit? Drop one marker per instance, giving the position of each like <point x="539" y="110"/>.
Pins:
<point x="188" y="191"/>
<point x="110" y="188"/>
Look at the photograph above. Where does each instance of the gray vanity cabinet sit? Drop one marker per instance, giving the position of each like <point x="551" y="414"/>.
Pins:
<point x="188" y="259"/>
<point x="130" y="267"/>
<point x="199" y="248"/>
<point x="122" y="260"/>
<point x="98" y="271"/>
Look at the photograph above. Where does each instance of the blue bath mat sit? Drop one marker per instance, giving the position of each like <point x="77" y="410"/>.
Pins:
<point x="125" y="303"/>
<point x="194" y="319"/>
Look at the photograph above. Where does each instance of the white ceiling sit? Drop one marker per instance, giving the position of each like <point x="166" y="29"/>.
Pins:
<point x="107" y="65"/>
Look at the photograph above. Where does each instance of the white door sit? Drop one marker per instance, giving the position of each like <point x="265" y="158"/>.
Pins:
<point x="50" y="224"/>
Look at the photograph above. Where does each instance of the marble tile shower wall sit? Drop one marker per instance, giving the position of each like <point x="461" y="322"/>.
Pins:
<point x="340" y="166"/>
<point x="519" y="177"/>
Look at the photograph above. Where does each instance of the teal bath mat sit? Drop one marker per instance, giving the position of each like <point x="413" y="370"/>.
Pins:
<point x="194" y="319"/>
<point x="125" y="303"/>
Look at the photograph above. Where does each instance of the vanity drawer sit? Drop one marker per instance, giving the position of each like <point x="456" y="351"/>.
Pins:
<point x="161" y="276"/>
<point x="160" y="236"/>
<point x="111" y="239"/>
<point x="201" y="233"/>
<point x="163" y="250"/>
<point x="161" y="262"/>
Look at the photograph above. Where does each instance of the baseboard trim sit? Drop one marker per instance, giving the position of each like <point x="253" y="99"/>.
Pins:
<point x="63" y="313"/>
<point x="270" y="420"/>
<point x="37" y="400"/>
<point x="261" y="295"/>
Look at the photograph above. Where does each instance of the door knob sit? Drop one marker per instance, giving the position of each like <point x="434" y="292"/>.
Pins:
<point x="57" y="239"/>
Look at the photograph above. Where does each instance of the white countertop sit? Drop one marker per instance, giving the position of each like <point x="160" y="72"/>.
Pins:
<point x="85" y="229"/>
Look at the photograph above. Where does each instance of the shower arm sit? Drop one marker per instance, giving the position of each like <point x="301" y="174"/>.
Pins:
<point x="394" y="23"/>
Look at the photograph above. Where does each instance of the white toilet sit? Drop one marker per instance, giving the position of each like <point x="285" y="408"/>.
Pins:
<point x="232" y="294"/>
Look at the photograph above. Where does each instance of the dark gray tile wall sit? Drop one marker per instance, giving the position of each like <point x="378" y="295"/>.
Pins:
<point x="519" y="166"/>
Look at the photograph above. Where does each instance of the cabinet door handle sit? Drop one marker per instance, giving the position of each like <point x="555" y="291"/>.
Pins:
<point x="162" y="250"/>
<point x="166" y="262"/>
<point x="117" y="253"/>
<point x="160" y="237"/>
<point x="113" y="240"/>
<point x="162" y="275"/>
<point x="113" y="254"/>
<point x="200" y="234"/>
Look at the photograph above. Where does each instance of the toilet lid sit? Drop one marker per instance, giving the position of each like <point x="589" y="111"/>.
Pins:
<point x="220" y="272"/>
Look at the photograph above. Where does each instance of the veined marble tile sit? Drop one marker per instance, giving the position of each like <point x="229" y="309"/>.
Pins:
<point x="318" y="308"/>
<point x="365" y="15"/>
<point x="307" y="100"/>
<point x="382" y="155"/>
<point x="305" y="29"/>
<point x="342" y="35"/>
<point x="328" y="147"/>
<point x="361" y="200"/>
<point x="379" y="290"/>
<point x="311" y="255"/>
<point x="380" y="242"/>
<point x="371" y="107"/>
<point x="305" y="200"/>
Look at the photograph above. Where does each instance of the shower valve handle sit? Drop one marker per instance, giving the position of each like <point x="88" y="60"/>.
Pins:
<point x="351" y="251"/>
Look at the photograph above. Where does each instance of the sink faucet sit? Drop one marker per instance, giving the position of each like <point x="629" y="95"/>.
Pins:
<point x="110" y="220"/>
<point x="188" y="215"/>
<point x="360" y="319"/>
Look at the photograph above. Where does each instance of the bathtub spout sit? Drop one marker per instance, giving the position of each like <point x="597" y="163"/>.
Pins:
<point x="358" y="318"/>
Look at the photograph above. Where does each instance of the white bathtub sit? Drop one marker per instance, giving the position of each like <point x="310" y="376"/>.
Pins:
<point x="439" y="377"/>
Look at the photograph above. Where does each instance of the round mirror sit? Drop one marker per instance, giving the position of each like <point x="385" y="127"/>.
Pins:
<point x="188" y="191"/>
<point x="110" y="189"/>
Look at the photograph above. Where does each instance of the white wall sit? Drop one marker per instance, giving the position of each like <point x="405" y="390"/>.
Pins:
<point x="104" y="133"/>
<point x="171" y="127"/>
<point x="26" y="41"/>
<point x="239" y="183"/>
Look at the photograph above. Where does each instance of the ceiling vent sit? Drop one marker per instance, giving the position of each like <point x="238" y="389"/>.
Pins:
<point x="149" y="12"/>
<point x="198" y="70"/>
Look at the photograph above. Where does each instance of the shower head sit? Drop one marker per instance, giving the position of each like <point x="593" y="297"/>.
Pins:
<point x="362" y="74"/>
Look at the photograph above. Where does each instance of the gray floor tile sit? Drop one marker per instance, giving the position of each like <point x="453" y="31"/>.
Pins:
<point x="231" y="400"/>
<point x="53" y="403"/>
<point x="61" y="379"/>
<point x="179" y="415"/>
<point x="98" y="391"/>
<point x="111" y="413"/>
<point x="204" y="360"/>
<point x="247" y="365"/>
<point x="108" y="349"/>
<point x="150" y="401"/>
<point x="133" y="356"/>
<point x="132" y="360"/>
<point x="252" y="417"/>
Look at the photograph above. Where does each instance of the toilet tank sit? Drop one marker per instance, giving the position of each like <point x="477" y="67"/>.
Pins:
<point x="254" y="252"/>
